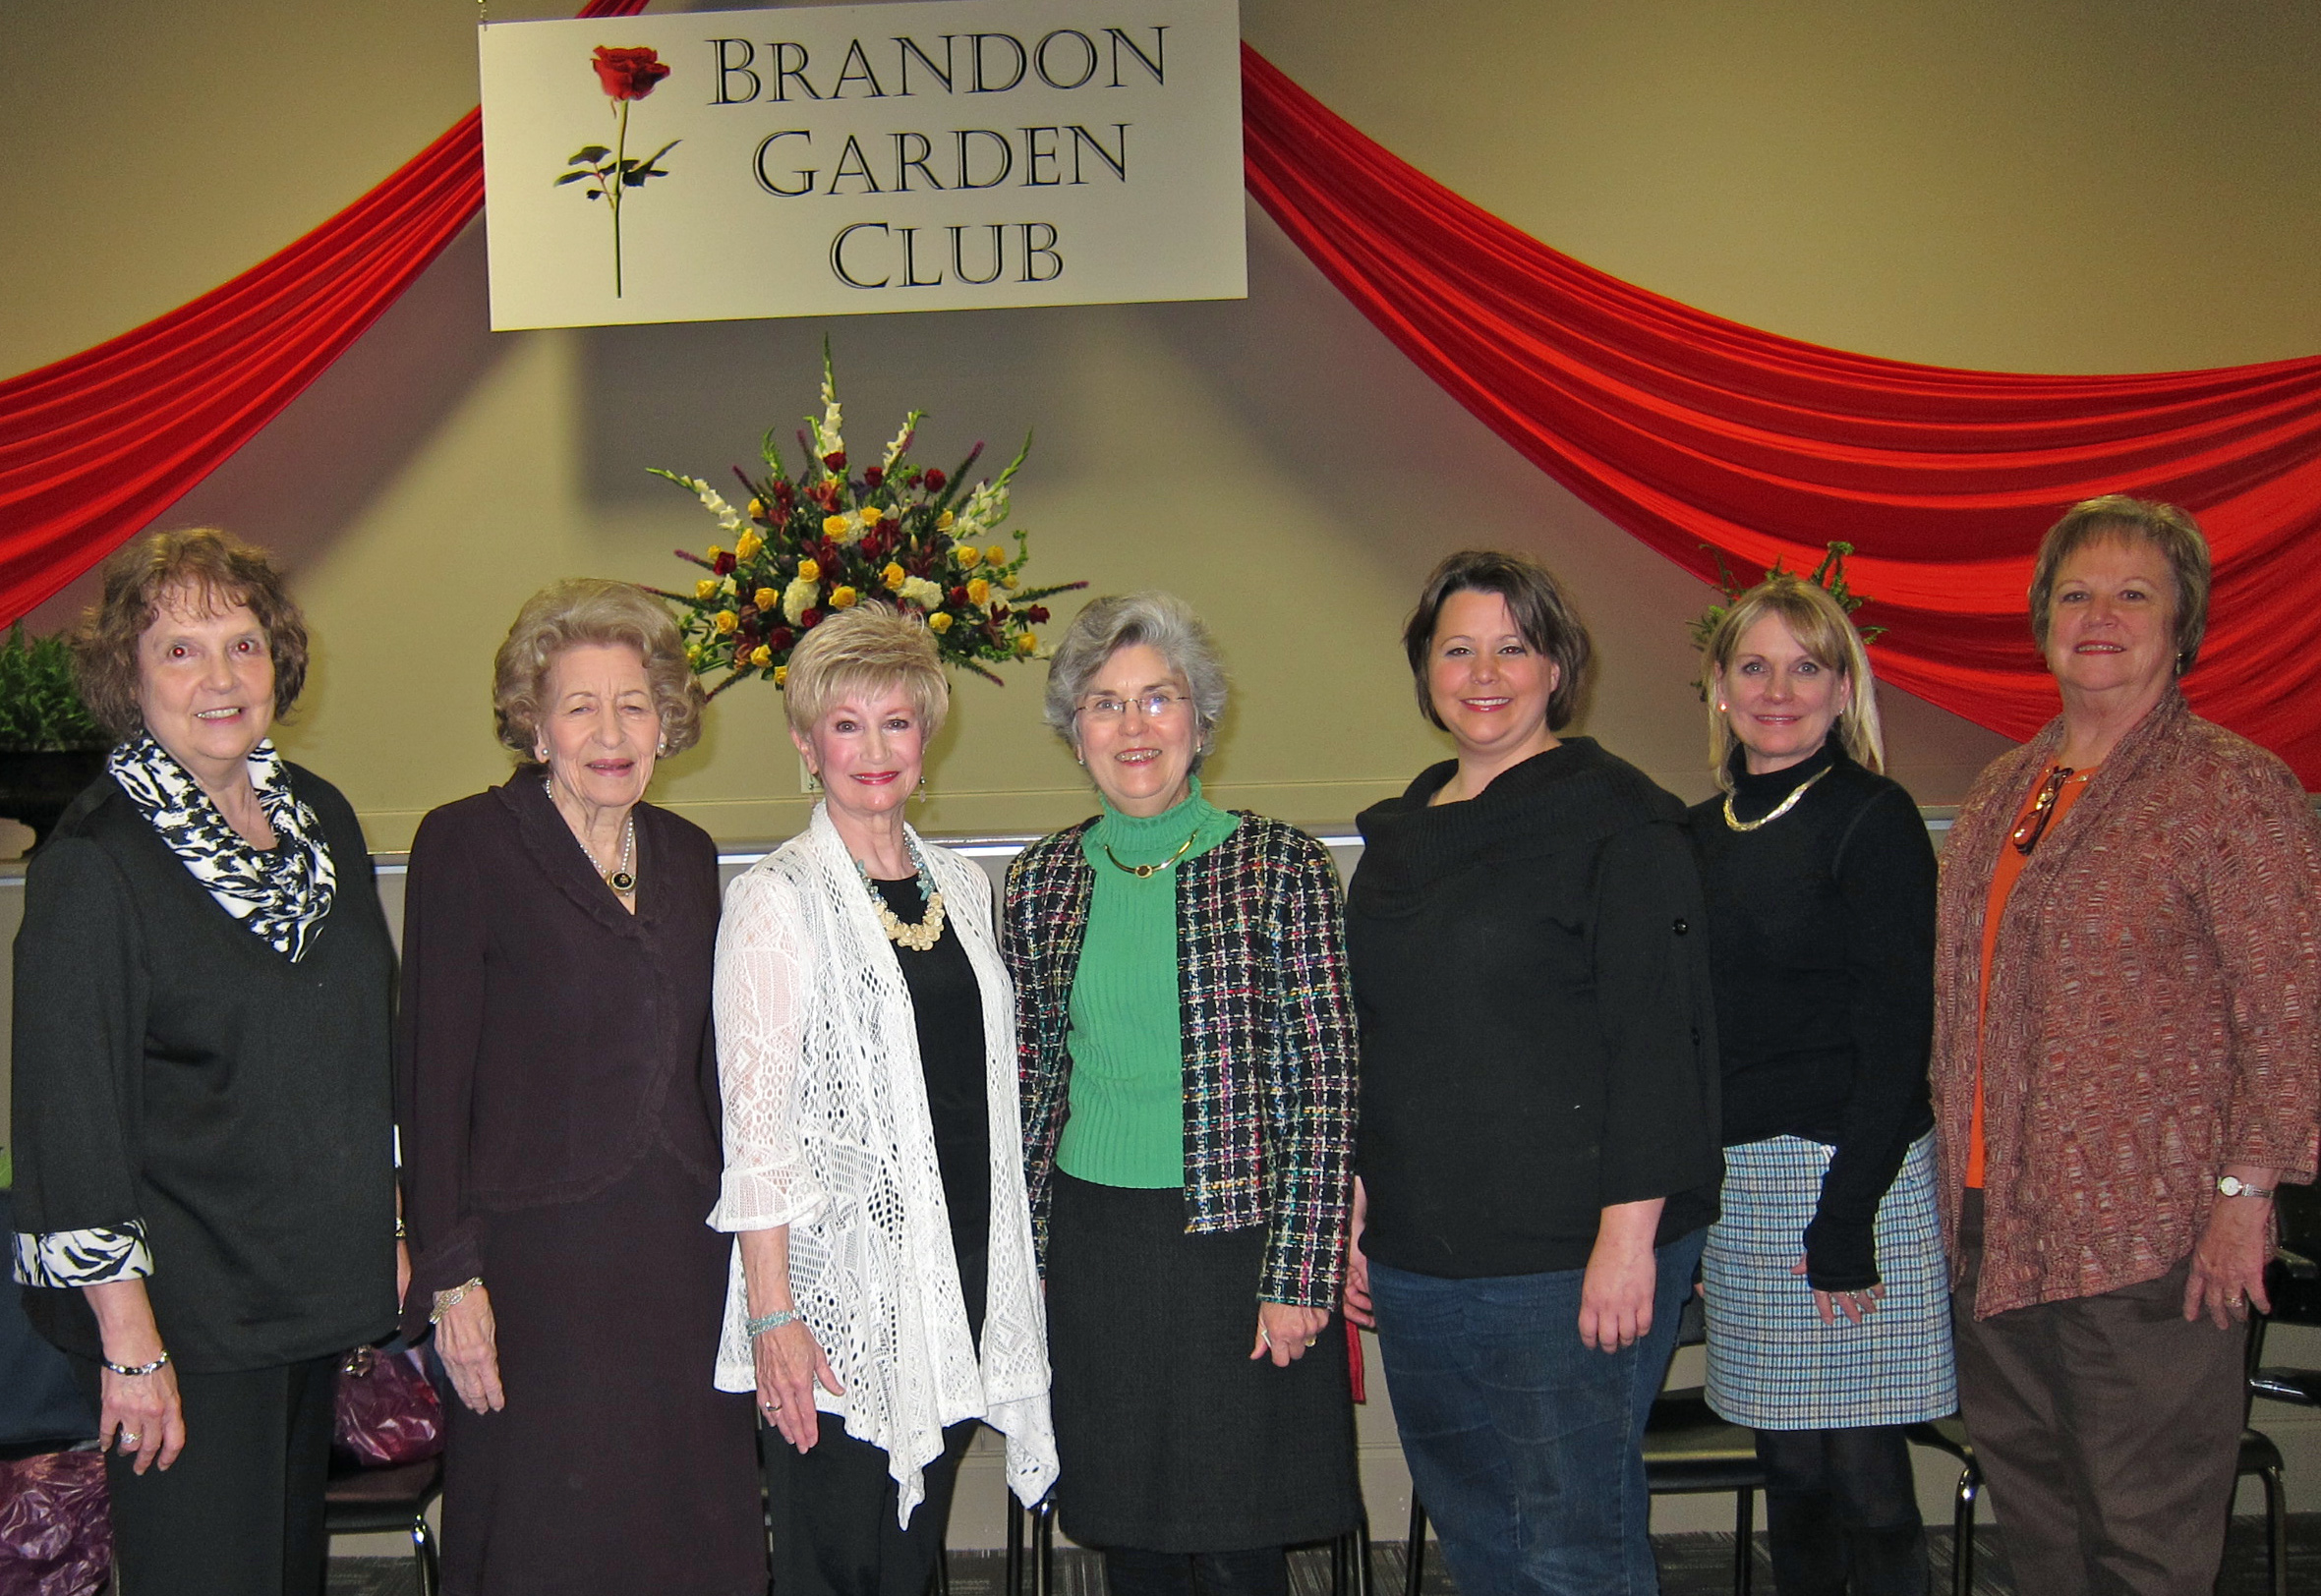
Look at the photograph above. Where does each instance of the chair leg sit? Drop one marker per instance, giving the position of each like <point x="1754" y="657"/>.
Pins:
<point x="2276" y="1532"/>
<point x="1015" y="1563"/>
<point x="1043" y="1547"/>
<point x="939" y="1577"/>
<point x="1970" y="1486"/>
<point x="423" y="1551"/>
<point x="1350" y="1561"/>
<point x="1744" y="1541"/>
<point x="1415" y="1564"/>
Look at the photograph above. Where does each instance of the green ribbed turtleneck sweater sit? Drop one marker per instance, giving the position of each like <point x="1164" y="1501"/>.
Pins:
<point x="1125" y="1116"/>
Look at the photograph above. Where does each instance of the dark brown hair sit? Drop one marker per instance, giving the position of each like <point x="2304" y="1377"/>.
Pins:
<point x="218" y="572"/>
<point x="1541" y="610"/>
<point x="2176" y="534"/>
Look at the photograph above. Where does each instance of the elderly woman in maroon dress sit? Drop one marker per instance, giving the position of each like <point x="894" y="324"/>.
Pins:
<point x="560" y="1108"/>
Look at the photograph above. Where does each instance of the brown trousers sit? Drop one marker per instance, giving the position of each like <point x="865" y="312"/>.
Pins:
<point x="2108" y="1429"/>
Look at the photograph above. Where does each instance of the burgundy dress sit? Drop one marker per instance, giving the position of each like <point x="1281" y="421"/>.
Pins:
<point x="558" y="1099"/>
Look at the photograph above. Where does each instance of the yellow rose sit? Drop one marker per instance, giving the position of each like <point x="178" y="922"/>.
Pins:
<point x="766" y="598"/>
<point x="713" y="553"/>
<point x="780" y="674"/>
<point x="872" y="515"/>
<point x="1027" y="643"/>
<point x="842" y="598"/>
<point x="761" y="657"/>
<point x="1008" y="580"/>
<point x="966" y="556"/>
<point x="892" y="577"/>
<point x="693" y="654"/>
<point x="746" y="548"/>
<point x="943" y="522"/>
<point x="939" y="623"/>
<point x="995" y="555"/>
<point x="726" y="620"/>
<point x="706" y="588"/>
<point x="979" y="593"/>
<point x="757" y="507"/>
<point x="836" y="526"/>
<point x="809" y="571"/>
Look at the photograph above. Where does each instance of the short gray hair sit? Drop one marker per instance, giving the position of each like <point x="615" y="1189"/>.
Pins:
<point x="1158" y="620"/>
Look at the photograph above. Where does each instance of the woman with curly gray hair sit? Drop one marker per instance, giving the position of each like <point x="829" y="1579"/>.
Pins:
<point x="559" y="1106"/>
<point x="1189" y="1117"/>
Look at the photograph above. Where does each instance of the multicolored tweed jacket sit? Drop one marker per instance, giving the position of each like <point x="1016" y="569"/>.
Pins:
<point x="1269" y="1039"/>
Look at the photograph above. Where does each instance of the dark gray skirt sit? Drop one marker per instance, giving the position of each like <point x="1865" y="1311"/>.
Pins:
<point x="1169" y="1437"/>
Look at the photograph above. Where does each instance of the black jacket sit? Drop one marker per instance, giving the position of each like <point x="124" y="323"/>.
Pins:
<point x="1537" y="1036"/>
<point x="172" y="1068"/>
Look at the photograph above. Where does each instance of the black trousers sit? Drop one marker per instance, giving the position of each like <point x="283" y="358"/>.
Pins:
<point x="240" y="1512"/>
<point x="834" y="1514"/>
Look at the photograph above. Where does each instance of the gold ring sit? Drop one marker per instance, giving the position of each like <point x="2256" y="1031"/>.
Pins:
<point x="1308" y="1340"/>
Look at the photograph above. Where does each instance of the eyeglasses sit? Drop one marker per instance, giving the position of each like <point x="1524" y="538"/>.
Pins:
<point x="1154" y="705"/>
<point x="2027" y="835"/>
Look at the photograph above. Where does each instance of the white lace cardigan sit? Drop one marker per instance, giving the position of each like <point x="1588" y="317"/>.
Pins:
<point x="827" y="1131"/>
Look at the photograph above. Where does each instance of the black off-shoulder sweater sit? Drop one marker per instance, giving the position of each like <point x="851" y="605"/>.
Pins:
<point x="1821" y="939"/>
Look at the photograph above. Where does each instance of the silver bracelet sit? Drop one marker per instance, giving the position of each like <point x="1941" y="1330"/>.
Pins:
<point x="445" y="1301"/>
<point x="133" y="1370"/>
<point x="754" y="1328"/>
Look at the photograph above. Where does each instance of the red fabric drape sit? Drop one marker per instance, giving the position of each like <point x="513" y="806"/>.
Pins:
<point x="95" y="446"/>
<point x="1688" y="429"/>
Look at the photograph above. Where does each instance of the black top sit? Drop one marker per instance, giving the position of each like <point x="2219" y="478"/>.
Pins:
<point x="947" y="1006"/>
<point x="1822" y="928"/>
<point x="549" y="1039"/>
<point x="173" y="1069"/>
<point x="1537" y="1037"/>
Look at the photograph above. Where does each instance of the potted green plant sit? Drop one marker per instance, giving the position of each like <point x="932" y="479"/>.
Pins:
<point x="50" y="746"/>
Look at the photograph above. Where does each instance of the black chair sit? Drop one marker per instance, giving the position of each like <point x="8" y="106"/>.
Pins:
<point x="389" y="1500"/>
<point x="1349" y="1553"/>
<point x="1949" y="1434"/>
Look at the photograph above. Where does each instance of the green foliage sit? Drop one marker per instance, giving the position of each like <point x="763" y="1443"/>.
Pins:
<point x="39" y="708"/>
<point x="1828" y="575"/>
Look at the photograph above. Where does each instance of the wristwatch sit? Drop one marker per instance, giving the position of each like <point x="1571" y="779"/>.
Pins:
<point x="2231" y="1186"/>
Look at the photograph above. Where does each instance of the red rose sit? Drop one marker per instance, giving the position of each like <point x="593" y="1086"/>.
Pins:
<point x="935" y="479"/>
<point x="779" y="639"/>
<point x="807" y="622"/>
<point x="874" y="475"/>
<point x="724" y="565"/>
<point x="836" y="460"/>
<point x="959" y="597"/>
<point x="628" y="74"/>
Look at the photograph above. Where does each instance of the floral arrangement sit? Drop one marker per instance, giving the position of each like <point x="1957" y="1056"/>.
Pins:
<point x="821" y="540"/>
<point x="1829" y="575"/>
<point x="626" y="73"/>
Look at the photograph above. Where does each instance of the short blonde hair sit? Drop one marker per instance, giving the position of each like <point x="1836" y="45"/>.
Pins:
<point x="868" y="649"/>
<point x="1827" y="633"/>
<point x="2176" y="534"/>
<point x="583" y="612"/>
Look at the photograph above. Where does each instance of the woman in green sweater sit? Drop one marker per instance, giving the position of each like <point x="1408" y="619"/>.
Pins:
<point x="1188" y="1076"/>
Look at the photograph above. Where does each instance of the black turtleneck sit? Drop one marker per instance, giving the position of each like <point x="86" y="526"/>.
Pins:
<point x="1821" y="931"/>
<point x="1538" y="1038"/>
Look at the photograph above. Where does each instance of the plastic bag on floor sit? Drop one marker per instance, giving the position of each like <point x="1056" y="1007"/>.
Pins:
<point x="56" y="1538"/>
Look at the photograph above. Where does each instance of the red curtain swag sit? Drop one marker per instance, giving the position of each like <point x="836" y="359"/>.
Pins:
<point x="96" y="446"/>
<point x="1687" y="429"/>
<point x="1683" y="429"/>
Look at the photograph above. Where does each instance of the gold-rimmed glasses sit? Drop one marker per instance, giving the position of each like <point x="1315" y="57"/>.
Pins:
<point x="2025" y="836"/>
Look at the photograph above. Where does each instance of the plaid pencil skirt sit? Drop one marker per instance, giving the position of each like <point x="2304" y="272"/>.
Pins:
<point x="1772" y="1364"/>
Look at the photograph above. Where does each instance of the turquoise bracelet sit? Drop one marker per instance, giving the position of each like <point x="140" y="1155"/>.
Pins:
<point x="755" y="1328"/>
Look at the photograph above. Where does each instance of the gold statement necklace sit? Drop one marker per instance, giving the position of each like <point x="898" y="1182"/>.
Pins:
<point x="1782" y="808"/>
<point x="1140" y="871"/>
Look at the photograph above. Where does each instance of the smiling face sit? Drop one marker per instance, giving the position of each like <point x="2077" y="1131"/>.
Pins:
<point x="1779" y="699"/>
<point x="1141" y="762"/>
<point x="599" y="728"/>
<point x="1489" y="687"/>
<point x="867" y="750"/>
<point x="206" y="684"/>
<point x="2111" y="620"/>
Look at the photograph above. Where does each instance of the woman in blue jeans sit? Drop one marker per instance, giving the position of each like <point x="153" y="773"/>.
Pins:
<point x="1537" y="1149"/>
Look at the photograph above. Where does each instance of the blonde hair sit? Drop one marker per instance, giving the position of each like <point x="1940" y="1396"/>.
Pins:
<point x="868" y="649"/>
<point x="1824" y="631"/>
<point x="583" y="612"/>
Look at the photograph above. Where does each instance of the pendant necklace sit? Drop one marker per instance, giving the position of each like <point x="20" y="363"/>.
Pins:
<point x="1140" y="871"/>
<point x="929" y="930"/>
<point x="1782" y="808"/>
<point x="624" y="879"/>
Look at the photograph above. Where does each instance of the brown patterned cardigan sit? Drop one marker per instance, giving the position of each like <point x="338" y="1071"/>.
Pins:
<point x="2155" y="1006"/>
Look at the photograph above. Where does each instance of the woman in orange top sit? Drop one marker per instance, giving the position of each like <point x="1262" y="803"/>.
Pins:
<point x="2128" y="1058"/>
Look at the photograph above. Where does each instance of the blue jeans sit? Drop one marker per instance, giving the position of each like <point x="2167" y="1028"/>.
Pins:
<point x="1526" y="1446"/>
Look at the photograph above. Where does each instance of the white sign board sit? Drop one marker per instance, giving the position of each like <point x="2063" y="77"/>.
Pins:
<point x="828" y="160"/>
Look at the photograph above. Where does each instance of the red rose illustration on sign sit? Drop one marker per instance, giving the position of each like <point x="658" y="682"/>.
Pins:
<point x="626" y="73"/>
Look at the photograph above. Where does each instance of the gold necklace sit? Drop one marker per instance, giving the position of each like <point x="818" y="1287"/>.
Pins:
<point x="1782" y="808"/>
<point x="1142" y="871"/>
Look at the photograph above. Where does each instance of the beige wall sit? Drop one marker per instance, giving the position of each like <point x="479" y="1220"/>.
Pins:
<point x="1918" y="181"/>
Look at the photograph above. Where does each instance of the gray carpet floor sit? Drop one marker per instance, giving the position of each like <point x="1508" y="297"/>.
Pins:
<point x="1690" y="1566"/>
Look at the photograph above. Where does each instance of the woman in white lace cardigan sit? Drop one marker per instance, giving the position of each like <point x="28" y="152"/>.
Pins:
<point x="883" y="1296"/>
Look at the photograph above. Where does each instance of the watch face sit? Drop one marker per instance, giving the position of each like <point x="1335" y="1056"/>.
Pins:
<point x="2230" y="1185"/>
